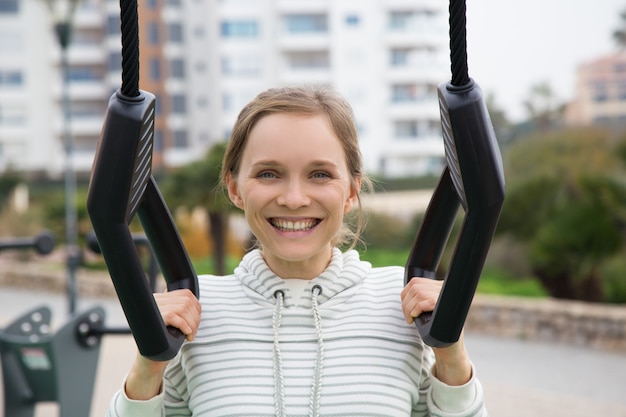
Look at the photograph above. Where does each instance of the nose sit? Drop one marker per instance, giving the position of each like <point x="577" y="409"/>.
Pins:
<point x="293" y="195"/>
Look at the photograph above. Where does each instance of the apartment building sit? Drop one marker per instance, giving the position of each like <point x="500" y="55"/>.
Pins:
<point x="32" y="119"/>
<point x="204" y="59"/>
<point x="600" y="97"/>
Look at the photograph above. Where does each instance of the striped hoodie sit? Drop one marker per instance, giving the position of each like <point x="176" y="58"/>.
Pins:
<point x="339" y="348"/>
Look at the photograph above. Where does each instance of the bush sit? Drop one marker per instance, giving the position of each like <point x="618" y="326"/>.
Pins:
<point x="613" y="273"/>
<point x="388" y="232"/>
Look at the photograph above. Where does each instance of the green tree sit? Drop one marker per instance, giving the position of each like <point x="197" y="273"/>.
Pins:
<point x="501" y="124"/>
<point x="567" y="203"/>
<point x="542" y="107"/>
<point x="197" y="185"/>
<point x="8" y="181"/>
<point x="619" y="34"/>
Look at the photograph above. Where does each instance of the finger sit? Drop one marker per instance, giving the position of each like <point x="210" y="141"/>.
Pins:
<point x="419" y="282"/>
<point x="180" y="309"/>
<point x="419" y="296"/>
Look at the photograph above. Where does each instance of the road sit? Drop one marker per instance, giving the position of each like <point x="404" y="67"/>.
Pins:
<point x="520" y="378"/>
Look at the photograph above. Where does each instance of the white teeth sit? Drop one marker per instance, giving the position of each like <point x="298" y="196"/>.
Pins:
<point x="291" y="226"/>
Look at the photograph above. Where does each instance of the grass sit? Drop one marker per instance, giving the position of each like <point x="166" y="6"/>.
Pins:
<point x="491" y="281"/>
<point x="205" y="265"/>
<point x="495" y="282"/>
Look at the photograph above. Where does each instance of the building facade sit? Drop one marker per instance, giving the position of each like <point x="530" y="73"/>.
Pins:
<point x="205" y="59"/>
<point x="600" y="97"/>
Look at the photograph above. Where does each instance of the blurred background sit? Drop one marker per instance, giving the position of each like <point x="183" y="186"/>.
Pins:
<point x="554" y="77"/>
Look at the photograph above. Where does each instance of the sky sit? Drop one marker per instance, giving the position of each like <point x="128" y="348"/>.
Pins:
<point x="515" y="44"/>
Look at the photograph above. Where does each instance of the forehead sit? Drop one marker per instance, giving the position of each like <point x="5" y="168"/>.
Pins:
<point x="293" y="136"/>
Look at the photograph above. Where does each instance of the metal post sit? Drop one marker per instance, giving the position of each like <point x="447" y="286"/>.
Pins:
<point x="63" y="31"/>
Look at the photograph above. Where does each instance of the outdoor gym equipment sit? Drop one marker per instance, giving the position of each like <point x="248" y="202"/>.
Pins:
<point x="41" y="366"/>
<point x="43" y="243"/>
<point x="38" y="366"/>
<point x="472" y="179"/>
<point x="140" y="240"/>
<point x="121" y="186"/>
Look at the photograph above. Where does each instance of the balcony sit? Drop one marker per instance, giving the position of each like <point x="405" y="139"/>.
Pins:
<point x="86" y="54"/>
<point x="302" y="6"/>
<point x="303" y="31"/>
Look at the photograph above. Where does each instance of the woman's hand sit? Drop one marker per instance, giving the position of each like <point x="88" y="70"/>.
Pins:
<point x="452" y="363"/>
<point x="180" y="309"/>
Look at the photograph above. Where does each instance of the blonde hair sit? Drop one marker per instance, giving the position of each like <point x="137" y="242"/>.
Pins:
<point x="304" y="100"/>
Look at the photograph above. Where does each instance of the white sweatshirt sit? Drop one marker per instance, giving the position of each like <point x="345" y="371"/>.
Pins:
<point x="338" y="347"/>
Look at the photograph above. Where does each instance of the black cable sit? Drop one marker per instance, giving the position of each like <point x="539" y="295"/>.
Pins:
<point x="458" y="43"/>
<point x="130" y="48"/>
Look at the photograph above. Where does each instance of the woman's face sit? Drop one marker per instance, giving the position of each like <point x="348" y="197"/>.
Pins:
<point x="294" y="187"/>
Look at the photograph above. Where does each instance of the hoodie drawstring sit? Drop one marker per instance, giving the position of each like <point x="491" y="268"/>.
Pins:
<point x="279" y="380"/>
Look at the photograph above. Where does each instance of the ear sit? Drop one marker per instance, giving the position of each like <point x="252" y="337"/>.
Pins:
<point x="233" y="191"/>
<point x="353" y="197"/>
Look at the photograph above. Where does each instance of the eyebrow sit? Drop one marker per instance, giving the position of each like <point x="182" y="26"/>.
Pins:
<point x="268" y="163"/>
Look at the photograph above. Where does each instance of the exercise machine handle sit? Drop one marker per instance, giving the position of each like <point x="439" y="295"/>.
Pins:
<point x="121" y="186"/>
<point x="473" y="179"/>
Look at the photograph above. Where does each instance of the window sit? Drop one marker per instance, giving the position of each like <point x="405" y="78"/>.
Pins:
<point x="600" y="91"/>
<point x="404" y="129"/>
<point x="600" y="97"/>
<point x="239" y="29"/>
<point x="158" y="140"/>
<point x="177" y="68"/>
<point x="175" y="32"/>
<point x="179" y="104"/>
<point x="155" y="69"/>
<point x="241" y="65"/>
<point x="621" y="90"/>
<point x="113" y="27"/>
<point x="180" y="139"/>
<point x="9" y="6"/>
<point x="306" y="23"/>
<point x="12" y="116"/>
<point x="308" y="60"/>
<point x="153" y="33"/>
<point x="620" y="67"/>
<point x="401" y="93"/>
<point x="77" y="73"/>
<point x="114" y="62"/>
<point x="400" y="20"/>
<point x="11" y="78"/>
<point x="399" y="57"/>
<point x="352" y="20"/>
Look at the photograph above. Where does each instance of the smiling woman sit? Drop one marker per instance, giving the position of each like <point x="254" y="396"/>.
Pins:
<point x="301" y="328"/>
<point x="281" y="184"/>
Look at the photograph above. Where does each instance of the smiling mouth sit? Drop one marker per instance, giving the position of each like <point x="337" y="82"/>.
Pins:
<point x="294" y="226"/>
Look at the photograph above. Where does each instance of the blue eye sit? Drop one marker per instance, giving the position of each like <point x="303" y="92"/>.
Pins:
<point x="321" y="175"/>
<point x="266" y="174"/>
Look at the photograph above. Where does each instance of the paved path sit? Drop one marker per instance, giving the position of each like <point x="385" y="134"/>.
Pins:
<point x="520" y="378"/>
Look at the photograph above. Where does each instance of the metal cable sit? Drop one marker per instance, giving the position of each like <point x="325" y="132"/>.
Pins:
<point x="458" y="43"/>
<point x="130" y="48"/>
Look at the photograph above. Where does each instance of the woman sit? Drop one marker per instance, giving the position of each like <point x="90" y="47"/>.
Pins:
<point x="301" y="328"/>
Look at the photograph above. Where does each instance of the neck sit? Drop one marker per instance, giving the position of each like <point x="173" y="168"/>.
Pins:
<point x="301" y="269"/>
